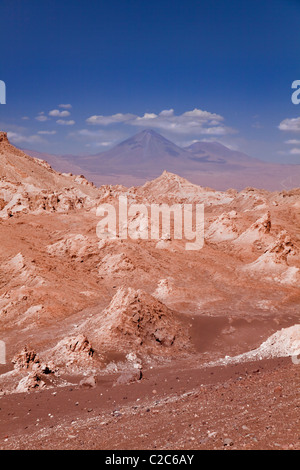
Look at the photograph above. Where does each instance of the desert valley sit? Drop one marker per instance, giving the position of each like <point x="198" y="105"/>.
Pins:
<point x="141" y="344"/>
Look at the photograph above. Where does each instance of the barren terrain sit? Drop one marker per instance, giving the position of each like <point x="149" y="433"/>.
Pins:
<point x="135" y="344"/>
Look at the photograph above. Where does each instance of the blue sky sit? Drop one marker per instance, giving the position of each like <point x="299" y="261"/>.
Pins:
<point x="84" y="75"/>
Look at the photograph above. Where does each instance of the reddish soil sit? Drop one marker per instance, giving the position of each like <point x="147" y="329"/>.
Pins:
<point x="119" y="309"/>
<point x="255" y="405"/>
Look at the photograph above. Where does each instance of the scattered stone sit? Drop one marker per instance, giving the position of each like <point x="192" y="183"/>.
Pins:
<point x="129" y="377"/>
<point x="228" y="442"/>
<point x="88" y="382"/>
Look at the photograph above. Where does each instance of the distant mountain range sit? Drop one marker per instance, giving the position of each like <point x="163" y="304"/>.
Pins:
<point x="147" y="154"/>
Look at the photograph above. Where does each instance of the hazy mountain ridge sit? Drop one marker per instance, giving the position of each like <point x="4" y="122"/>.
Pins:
<point x="147" y="154"/>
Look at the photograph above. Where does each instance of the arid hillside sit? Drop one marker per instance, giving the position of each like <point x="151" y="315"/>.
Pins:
<point x="100" y="316"/>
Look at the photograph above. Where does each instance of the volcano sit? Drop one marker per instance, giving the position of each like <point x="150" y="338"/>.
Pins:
<point x="147" y="154"/>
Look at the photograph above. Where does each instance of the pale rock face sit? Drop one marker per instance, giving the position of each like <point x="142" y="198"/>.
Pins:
<point x="16" y="200"/>
<point x="30" y="185"/>
<point x="163" y="289"/>
<point x="135" y="318"/>
<point x="164" y="245"/>
<point x="75" y="246"/>
<point x="114" y="264"/>
<point x="33" y="310"/>
<point x="282" y="248"/>
<point x="79" y="344"/>
<point x="25" y="359"/>
<point x="283" y="343"/>
<point x="29" y="383"/>
<point x="251" y="200"/>
<point x="16" y="263"/>
<point x="170" y="187"/>
<point x="223" y="228"/>
<point x="25" y="272"/>
<point x="259" y="231"/>
<point x="273" y="263"/>
<point x="28" y="359"/>
<point x="75" y="350"/>
<point x="138" y="226"/>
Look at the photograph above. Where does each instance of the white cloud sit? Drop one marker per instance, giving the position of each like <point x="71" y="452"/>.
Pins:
<point x="105" y="120"/>
<point x="294" y="150"/>
<point x="41" y="117"/>
<point x="65" y="106"/>
<point x="19" y="138"/>
<point x="203" y="115"/>
<point x="147" y="116"/>
<point x="292" y="142"/>
<point x="88" y="133"/>
<point x="46" y="132"/>
<point x="25" y="118"/>
<point x="98" y="137"/>
<point x="290" y="125"/>
<point x="167" y="112"/>
<point x="194" y="122"/>
<point x="57" y="113"/>
<point x="99" y="144"/>
<point x="62" y="122"/>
